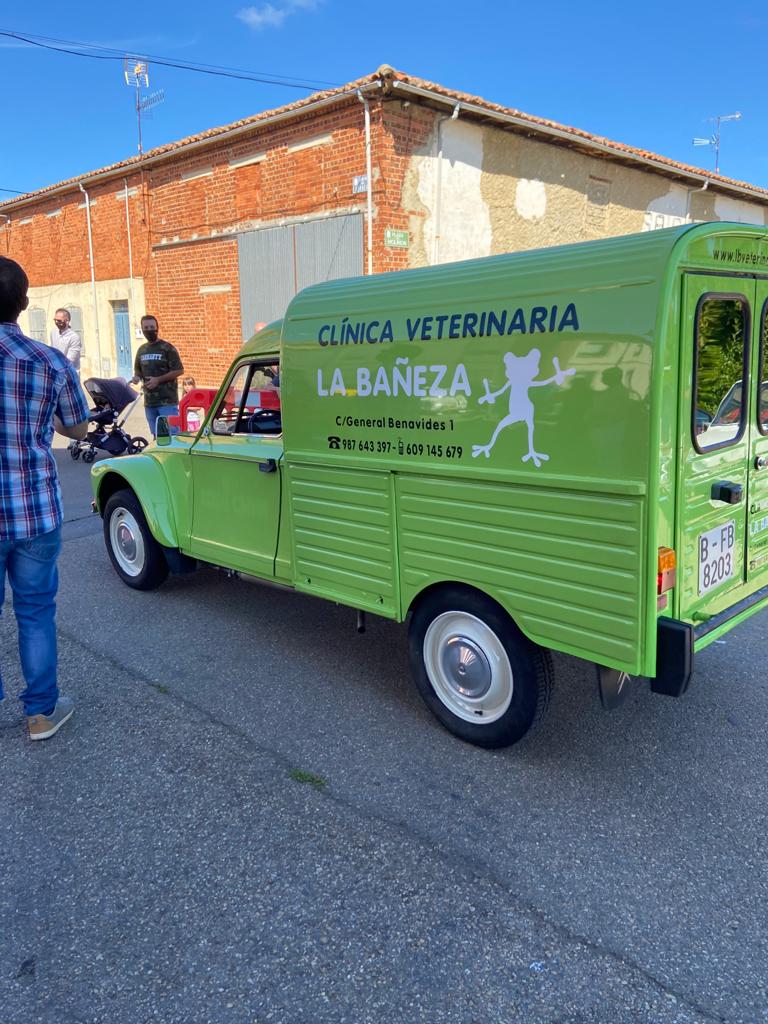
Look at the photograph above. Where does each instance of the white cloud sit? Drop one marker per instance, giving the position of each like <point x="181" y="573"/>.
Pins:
<point x="270" y="16"/>
<point x="263" y="17"/>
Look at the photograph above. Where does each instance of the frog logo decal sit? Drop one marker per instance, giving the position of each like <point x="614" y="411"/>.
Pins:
<point x="521" y="374"/>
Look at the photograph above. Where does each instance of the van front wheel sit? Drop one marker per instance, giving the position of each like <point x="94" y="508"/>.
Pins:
<point x="135" y="554"/>
<point x="485" y="681"/>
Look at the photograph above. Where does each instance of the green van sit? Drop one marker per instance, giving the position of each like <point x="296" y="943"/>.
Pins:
<point x="564" y="449"/>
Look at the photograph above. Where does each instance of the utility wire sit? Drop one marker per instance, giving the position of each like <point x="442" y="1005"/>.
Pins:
<point x="182" y="64"/>
<point x="17" y="191"/>
<point x="96" y="52"/>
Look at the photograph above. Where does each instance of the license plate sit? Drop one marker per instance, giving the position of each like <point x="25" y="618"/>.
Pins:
<point x="716" y="556"/>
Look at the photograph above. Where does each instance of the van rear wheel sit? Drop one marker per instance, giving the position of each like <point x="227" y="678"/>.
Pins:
<point x="486" y="682"/>
<point x="135" y="554"/>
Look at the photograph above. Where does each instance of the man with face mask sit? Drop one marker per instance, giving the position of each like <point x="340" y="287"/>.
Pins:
<point x="66" y="340"/>
<point x="157" y="366"/>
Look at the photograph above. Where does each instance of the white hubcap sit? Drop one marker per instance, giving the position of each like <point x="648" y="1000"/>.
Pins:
<point x="468" y="667"/>
<point x="127" y="541"/>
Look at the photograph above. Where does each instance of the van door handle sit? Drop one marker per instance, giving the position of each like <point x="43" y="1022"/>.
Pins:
<point x="268" y="467"/>
<point x="726" y="491"/>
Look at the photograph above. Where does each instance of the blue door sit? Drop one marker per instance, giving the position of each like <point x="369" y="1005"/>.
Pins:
<point x="123" y="340"/>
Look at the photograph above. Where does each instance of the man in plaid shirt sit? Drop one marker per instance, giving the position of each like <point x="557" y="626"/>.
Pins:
<point x="39" y="392"/>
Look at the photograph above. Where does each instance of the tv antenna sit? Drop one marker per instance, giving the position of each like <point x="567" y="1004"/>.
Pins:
<point x="136" y="73"/>
<point x="715" y="138"/>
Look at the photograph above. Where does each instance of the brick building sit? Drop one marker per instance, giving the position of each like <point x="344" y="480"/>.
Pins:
<point x="218" y="231"/>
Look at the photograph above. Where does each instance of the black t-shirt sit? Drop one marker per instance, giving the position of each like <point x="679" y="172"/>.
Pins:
<point x="153" y="359"/>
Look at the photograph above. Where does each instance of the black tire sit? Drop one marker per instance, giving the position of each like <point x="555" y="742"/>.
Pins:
<point x="136" y="556"/>
<point x="476" y="672"/>
<point x="137" y="445"/>
<point x="75" y="453"/>
<point x="89" y="455"/>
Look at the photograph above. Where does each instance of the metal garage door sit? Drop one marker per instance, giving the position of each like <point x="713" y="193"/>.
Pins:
<point x="275" y="263"/>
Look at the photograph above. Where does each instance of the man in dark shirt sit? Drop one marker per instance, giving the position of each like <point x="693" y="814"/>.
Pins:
<point x="39" y="393"/>
<point x="157" y="366"/>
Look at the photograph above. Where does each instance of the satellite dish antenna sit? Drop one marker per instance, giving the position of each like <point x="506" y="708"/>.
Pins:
<point x="714" y="140"/>
<point x="152" y="100"/>
<point x="136" y="74"/>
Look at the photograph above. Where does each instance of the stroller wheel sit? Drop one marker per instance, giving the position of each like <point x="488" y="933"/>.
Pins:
<point x="74" y="451"/>
<point x="89" y="455"/>
<point x="137" y="445"/>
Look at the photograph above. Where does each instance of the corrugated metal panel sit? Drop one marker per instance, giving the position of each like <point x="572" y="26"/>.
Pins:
<point x="275" y="263"/>
<point x="567" y="566"/>
<point x="327" y="250"/>
<point x="343" y="544"/>
<point x="265" y="260"/>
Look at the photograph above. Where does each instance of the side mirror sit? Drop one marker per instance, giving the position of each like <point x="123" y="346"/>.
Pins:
<point x="162" y="431"/>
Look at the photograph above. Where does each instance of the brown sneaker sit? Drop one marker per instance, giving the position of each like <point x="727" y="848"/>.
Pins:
<point x="41" y="727"/>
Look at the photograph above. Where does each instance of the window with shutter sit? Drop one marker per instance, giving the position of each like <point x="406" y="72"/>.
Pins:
<point x="37" y="325"/>
<point x="76" y="322"/>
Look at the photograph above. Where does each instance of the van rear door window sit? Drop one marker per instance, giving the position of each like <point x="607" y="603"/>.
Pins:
<point x="762" y="405"/>
<point x="720" y="369"/>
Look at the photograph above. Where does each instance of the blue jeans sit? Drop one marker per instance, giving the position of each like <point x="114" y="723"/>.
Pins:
<point x="153" y="411"/>
<point x="31" y="568"/>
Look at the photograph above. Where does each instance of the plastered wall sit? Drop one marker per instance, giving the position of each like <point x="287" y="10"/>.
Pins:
<point x="50" y="297"/>
<point x="497" y="191"/>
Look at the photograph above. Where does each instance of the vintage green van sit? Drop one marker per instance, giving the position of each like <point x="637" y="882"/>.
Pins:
<point x="564" y="449"/>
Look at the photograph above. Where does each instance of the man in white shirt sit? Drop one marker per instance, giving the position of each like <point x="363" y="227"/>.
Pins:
<point x="65" y="340"/>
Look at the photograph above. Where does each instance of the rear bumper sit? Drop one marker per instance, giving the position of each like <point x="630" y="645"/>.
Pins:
<point x="674" y="657"/>
<point x="676" y="642"/>
<point x="735" y="611"/>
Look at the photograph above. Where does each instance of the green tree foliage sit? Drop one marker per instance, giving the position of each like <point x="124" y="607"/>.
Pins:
<point x="720" y="351"/>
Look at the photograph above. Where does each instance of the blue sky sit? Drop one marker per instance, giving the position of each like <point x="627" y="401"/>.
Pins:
<point x="648" y="75"/>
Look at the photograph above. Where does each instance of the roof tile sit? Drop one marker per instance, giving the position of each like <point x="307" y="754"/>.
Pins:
<point x="385" y="75"/>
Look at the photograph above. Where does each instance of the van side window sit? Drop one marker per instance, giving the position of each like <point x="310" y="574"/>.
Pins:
<point x="762" y="405"/>
<point x="228" y="412"/>
<point x="719" y="371"/>
<point x="251" y="402"/>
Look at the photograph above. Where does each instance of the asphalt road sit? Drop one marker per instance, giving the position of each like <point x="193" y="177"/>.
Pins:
<point x="252" y="817"/>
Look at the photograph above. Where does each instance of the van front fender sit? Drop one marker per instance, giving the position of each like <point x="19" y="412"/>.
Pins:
<point x="143" y="475"/>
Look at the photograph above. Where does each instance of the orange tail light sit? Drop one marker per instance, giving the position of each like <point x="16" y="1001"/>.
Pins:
<point x="667" y="571"/>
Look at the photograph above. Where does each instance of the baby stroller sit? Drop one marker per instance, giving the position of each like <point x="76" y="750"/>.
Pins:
<point x="105" y="433"/>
